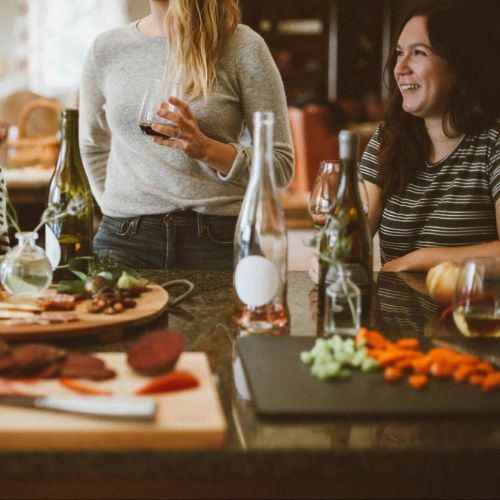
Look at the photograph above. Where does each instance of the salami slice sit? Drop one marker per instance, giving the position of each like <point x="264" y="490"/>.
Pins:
<point x="156" y="351"/>
<point x="31" y="359"/>
<point x="85" y="366"/>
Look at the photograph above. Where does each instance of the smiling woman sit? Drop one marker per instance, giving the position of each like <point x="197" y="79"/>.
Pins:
<point x="432" y="169"/>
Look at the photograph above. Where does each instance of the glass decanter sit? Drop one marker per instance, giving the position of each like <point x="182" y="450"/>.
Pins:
<point x="26" y="271"/>
<point x="342" y="305"/>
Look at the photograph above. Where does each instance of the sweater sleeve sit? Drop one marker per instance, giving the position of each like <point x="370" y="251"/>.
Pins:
<point x="95" y="136"/>
<point x="261" y="89"/>
<point x="4" y="228"/>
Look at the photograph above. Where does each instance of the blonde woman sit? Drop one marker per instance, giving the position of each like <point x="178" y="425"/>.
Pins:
<point x="173" y="203"/>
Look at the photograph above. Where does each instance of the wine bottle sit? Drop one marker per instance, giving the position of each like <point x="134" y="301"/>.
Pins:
<point x="346" y="238"/>
<point x="261" y="247"/>
<point x="69" y="236"/>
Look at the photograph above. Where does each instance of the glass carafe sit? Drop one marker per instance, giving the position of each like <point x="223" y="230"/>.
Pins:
<point x="26" y="271"/>
<point x="342" y="305"/>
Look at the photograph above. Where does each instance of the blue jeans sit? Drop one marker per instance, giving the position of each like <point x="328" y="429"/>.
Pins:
<point x="182" y="239"/>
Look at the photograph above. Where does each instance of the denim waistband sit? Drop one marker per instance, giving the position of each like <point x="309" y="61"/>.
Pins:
<point x="185" y="216"/>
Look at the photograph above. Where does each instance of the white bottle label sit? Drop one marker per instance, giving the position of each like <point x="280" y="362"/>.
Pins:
<point x="256" y="280"/>
<point x="52" y="247"/>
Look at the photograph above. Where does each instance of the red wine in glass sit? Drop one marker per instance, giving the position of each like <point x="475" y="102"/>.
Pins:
<point x="148" y="130"/>
<point x="158" y="91"/>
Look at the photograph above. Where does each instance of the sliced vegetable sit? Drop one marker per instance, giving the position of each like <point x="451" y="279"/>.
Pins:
<point x="82" y="388"/>
<point x="392" y="374"/>
<point x="169" y="382"/>
<point x="418" y="381"/>
<point x="335" y="357"/>
<point x="439" y="362"/>
<point x="491" y="382"/>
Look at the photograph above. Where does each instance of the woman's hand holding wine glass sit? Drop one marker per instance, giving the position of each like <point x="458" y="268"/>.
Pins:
<point x="168" y="119"/>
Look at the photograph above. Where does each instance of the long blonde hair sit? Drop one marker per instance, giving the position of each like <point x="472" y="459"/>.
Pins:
<point x="196" y="32"/>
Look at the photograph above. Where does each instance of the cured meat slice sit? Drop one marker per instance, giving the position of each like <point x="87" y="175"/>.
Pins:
<point x="31" y="359"/>
<point x="156" y="352"/>
<point x="58" y="302"/>
<point x="85" y="366"/>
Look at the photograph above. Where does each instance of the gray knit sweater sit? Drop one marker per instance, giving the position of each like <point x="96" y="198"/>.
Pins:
<point x="129" y="174"/>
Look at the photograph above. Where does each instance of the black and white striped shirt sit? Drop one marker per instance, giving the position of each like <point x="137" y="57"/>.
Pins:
<point x="451" y="203"/>
<point x="4" y="238"/>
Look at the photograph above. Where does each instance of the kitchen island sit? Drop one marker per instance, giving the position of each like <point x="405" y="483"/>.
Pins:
<point x="390" y="457"/>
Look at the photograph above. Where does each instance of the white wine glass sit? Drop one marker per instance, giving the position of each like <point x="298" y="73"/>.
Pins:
<point x="324" y="191"/>
<point x="324" y="194"/>
<point x="476" y="305"/>
<point x="158" y="91"/>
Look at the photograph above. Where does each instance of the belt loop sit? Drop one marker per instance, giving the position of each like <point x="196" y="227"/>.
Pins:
<point x="134" y="224"/>
<point x="199" y="224"/>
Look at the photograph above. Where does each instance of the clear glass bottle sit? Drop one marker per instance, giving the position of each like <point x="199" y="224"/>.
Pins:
<point x="70" y="236"/>
<point x="353" y="242"/>
<point x="261" y="248"/>
<point x="26" y="271"/>
<point x="342" y="304"/>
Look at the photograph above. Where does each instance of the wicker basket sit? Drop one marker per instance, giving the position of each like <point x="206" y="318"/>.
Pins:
<point x="31" y="150"/>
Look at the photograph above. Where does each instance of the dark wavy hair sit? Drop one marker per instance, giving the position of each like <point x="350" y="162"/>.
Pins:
<point x="467" y="38"/>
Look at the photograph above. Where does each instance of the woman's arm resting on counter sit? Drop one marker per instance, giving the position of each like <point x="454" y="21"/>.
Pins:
<point x="425" y="258"/>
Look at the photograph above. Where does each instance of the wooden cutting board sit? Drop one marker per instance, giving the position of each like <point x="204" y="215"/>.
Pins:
<point x="150" y="305"/>
<point x="192" y="418"/>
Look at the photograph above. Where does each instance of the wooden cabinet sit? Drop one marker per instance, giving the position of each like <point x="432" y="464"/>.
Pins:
<point x="297" y="34"/>
<point x="324" y="49"/>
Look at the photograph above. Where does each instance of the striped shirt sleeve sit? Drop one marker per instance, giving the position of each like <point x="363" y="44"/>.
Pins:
<point x="494" y="169"/>
<point x="368" y="166"/>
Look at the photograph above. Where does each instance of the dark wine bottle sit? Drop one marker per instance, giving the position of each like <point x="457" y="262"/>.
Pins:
<point x="71" y="235"/>
<point x="346" y="238"/>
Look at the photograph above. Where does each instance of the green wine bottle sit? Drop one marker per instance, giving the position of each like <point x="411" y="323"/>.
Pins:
<point x="346" y="237"/>
<point x="69" y="236"/>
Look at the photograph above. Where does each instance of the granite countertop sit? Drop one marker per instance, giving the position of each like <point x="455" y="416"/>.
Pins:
<point x="314" y="457"/>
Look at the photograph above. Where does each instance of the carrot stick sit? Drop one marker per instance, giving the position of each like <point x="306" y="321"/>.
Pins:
<point x="462" y="373"/>
<point x="418" y="381"/>
<point x="82" y="388"/>
<point x="409" y="343"/>
<point x="421" y="365"/>
<point x="491" y="382"/>
<point x="442" y="368"/>
<point x="476" y="379"/>
<point x="392" y="374"/>
<point x="394" y="355"/>
<point x="169" y="382"/>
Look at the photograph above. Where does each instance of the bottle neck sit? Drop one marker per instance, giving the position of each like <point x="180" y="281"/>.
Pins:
<point x="262" y="160"/>
<point x="69" y="137"/>
<point x="349" y="150"/>
<point x="26" y="237"/>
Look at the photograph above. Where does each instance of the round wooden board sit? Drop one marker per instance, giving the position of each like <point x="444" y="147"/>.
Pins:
<point x="150" y="305"/>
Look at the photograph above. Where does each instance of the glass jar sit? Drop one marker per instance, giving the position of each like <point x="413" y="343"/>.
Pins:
<point x="26" y="271"/>
<point x="342" y="305"/>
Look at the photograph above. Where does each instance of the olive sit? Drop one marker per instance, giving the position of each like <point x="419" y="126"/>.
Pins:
<point x="94" y="284"/>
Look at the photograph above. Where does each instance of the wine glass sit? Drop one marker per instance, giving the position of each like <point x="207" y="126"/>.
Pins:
<point x="158" y="91"/>
<point x="324" y="193"/>
<point x="476" y="305"/>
